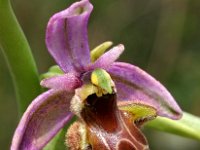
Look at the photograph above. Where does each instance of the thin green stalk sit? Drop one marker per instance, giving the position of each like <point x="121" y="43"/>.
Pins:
<point x="187" y="126"/>
<point x="18" y="56"/>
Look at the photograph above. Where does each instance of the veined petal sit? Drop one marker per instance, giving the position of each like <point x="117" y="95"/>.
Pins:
<point x="108" y="58"/>
<point x="134" y="84"/>
<point x="66" y="37"/>
<point x="66" y="82"/>
<point x="45" y="116"/>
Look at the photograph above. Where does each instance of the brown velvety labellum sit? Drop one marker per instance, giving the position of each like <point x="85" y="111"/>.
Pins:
<point x="123" y="145"/>
<point x="108" y="128"/>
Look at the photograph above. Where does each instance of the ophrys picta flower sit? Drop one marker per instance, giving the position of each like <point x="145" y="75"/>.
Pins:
<point x="89" y="84"/>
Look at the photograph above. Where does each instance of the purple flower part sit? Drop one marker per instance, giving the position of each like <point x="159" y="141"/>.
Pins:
<point x="45" y="116"/>
<point x="108" y="58"/>
<point x="134" y="84"/>
<point x="67" y="82"/>
<point x="67" y="42"/>
<point x="66" y="37"/>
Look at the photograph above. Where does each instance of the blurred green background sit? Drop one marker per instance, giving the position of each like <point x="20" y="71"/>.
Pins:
<point x="160" y="36"/>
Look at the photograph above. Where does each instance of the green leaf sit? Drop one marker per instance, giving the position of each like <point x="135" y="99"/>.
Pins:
<point x="19" y="58"/>
<point x="187" y="126"/>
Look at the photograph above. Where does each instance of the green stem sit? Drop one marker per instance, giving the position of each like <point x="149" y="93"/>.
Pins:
<point x="187" y="126"/>
<point x="18" y="56"/>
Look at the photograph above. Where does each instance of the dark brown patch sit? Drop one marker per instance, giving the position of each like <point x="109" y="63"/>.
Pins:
<point x="101" y="111"/>
<point x="126" y="145"/>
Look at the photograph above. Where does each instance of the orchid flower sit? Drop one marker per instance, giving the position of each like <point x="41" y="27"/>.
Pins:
<point x="89" y="77"/>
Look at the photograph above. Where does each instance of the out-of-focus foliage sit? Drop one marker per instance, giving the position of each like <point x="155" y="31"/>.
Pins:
<point x="160" y="36"/>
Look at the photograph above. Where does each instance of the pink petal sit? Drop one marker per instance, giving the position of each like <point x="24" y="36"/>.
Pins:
<point x="66" y="37"/>
<point x="108" y="58"/>
<point x="138" y="86"/>
<point x="66" y="82"/>
<point x="45" y="116"/>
